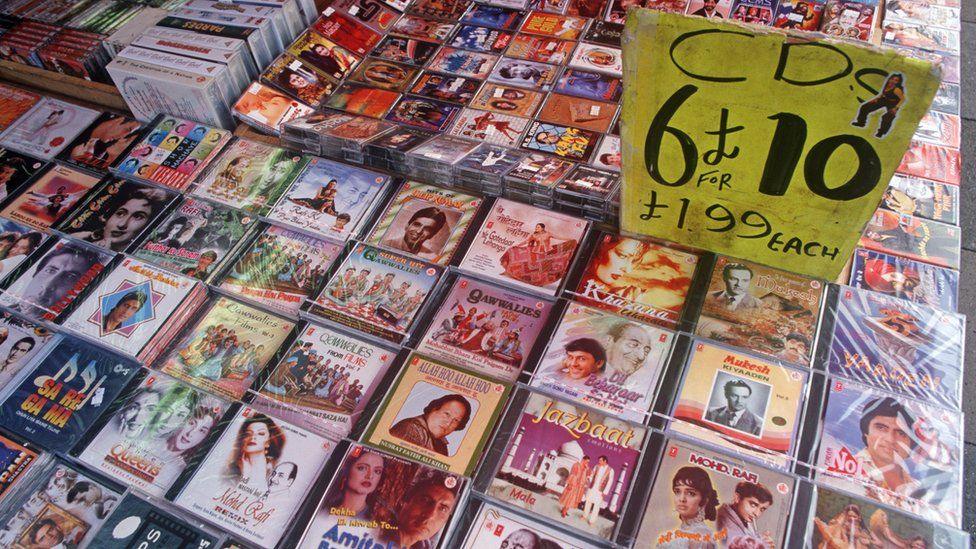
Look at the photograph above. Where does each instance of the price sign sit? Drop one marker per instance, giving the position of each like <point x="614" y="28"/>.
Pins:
<point x="760" y="144"/>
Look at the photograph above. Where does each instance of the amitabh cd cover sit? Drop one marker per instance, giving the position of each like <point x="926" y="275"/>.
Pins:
<point x="525" y="246"/>
<point x="116" y="213"/>
<point x="894" y="450"/>
<point x="281" y="269"/>
<point x="101" y="144"/>
<point x="130" y="306"/>
<point x="438" y="415"/>
<point x="383" y="501"/>
<point x="47" y="128"/>
<point x="638" y="279"/>
<point x="717" y="500"/>
<point x="256" y="476"/>
<point x="20" y="342"/>
<point x="898" y="346"/>
<point x="762" y="309"/>
<point x="15" y="170"/>
<point x="65" y="509"/>
<point x="324" y="381"/>
<point x="570" y="464"/>
<point x="49" y="197"/>
<point x="173" y="152"/>
<point x="377" y="292"/>
<point x="196" y="238"/>
<point x="152" y="433"/>
<point x="741" y="402"/>
<point x="138" y="523"/>
<point x="496" y="527"/>
<point x="227" y="347"/>
<point x="605" y="361"/>
<point x="54" y="280"/>
<point x="425" y="221"/>
<point x="250" y="176"/>
<point x="64" y="393"/>
<point x="329" y="198"/>
<point x="16" y="243"/>
<point x="485" y="328"/>
<point x="907" y="279"/>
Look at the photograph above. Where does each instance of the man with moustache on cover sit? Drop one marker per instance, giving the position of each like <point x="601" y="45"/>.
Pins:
<point x="735" y="296"/>
<point x="708" y="10"/>
<point x="601" y="480"/>
<point x="422" y="226"/>
<point x="886" y="427"/>
<point x="440" y="418"/>
<point x="629" y="347"/>
<point x="421" y="514"/>
<point x="738" y="518"/>
<point x="735" y="414"/>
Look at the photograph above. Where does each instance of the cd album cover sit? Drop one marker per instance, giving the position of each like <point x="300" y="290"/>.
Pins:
<point x="590" y="85"/>
<point x="922" y="198"/>
<point x="324" y="381"/>
<point x="384" y="501"/>
<point x="740" y="402"/>
<point x="489" y="127"/>
<point x="605" y="361"/>
<point x="256" y="476"/>
<point x="598" y="58"/>
<point x="385" y="74"/>
<point x="377" y="292"/>
<point x="423" y="113"/>
<point x="639" y="279"/>
<point x="485" y="328"/>
<point x="578" y="111"/>
<point x="20" y="342"/>
<point x="227" y="347"/>
<point x="406" y="50"/>
<point x="116" y="213"/>
<point x="526" y="74"/>
<point x="525" y="246"/>
<point x="539" y="172"/>
<point x="173" y="152"/>
<point x="138" y="523"/>
<point x="715" y="499"/>
<point x="849" y="19"/>
<point x="281" y="268"/>
<point x="101" y="144"/>
<point x="64" y="393"/>
<point x="47" y="128"/>
<point x="894" y="450"/>
<point x="347" y="32"/>
<point x="16" y="243"/>
<point x="570" y="464"/>
<point x="540" y="48"/>
<point x="913" y="237"/>
<point x="762" y="309"/>
<point x="268" y="108"/>
<point x="456" y="89"/>
<point x="49" y="197"/>
<point x="907" y="279"/>
<point x="471" y="64"/>
<point x="14" y="102"/>
<point x="425" y="221"/>
<point x="15" y="170"/>
<point x="438" y="415"/>
<point x="898" y="346"/>
<point x="299" y="80"/>
<point x="325" y="55"/>
<point x="799" y="14"/>
<point x="563" y="141"/>
<point x="496" y="527"/>
<point x="329" y="198"/>
<point x="16" y="460"/>
<point x="153" y="432"/>
<point x="507" y="99"/>
<point x="483" y="39"/>
<point x="555" y="25"/>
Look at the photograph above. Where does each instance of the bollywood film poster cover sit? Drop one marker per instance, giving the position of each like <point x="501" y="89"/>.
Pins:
<point x="526" y="74"/>
<point x="299" y="80"/>
<point x="567" y="142"/>
<point x="589" y="84"/>
<point x="485" y="328"/>
<point x="50" y="197"/>
<point x="324" y="381"/>
<point x="757" y="12"/>
<point x="540" y="48"/>
<point x="346" y="32"/>
<point x="64" y="393"/>
<point x="14" y="102"/>
<point x="385" y="74"/>
<point x="570" y="464"/>
<point x="425" y="221"/>
<point x="762" y="309"/>
<point x="250" y="176"/>
<point x="138" y="523"/>
<point x="898" y="346"/>
<point x="377" y="292"/>
<point x="913" y="237"/>
<point x="16" y="460"/>
<point x="841" y="520"/>
<point x="525" y="246"/>
<point x="130" y="306"/>
<point x="333" y="60"/>
<point x="281" y="268"/>
<point x="605" y="361"/>
<point x="16" y="243"/>
<point x="922" y="198"/>
<point x="716" y="500"/>
<point x="406" y="50"/>
<point x="598" y="58"/>
<point x="116" y="213"/>
<point x="63" y="509"/>
<point x="196" y="238"/>
<point x="384" y="501"/>
<point x="47" y="128"/>
<point x="849" y="19"/>
<point x="483" y="39"/>
<point x="799" y="14"/>
<point x="438" y="415"/>
<point x="738" y="401"/>
<point x="256" y="476"/>
<point x="489" y="127"/>
<point x="456" y="89"/>
<point x="932" y="162"/>
<point x="579" y="112"/>
<point x="173" y="152"/>
<point x="55" y="280"/>
<point x="152" y="432"/>
<point x="894" y="450"/>
<point x="20" y="342"/>
<point x="914" y="281"/>
<point x="226" y="348"/>
<point x="329" y="198"/>
<point x="496" y="527"/>
<point x="101" y="144"/>
<point x="15" y="170"/>
<point x="507" y="99"/>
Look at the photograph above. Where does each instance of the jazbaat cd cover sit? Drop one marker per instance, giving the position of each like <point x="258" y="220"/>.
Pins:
<point x="324" y="381"/>
<point x="892" y="449"/>
<point x="496" y="527"/>
<point x="762" y="309"/>
<point x="899" y="346"/>
<point x="138" y="523"/>
<point x="485" y="328"/>
<point x="154" y="430"/>
<point x="741" y="402"/>
<point x="605" y="361"/>
<point x="716" y="500"/>
<point x="381" y="500"/>
<point x="256" y="476"/>
<point x="570" y="464"/>
<point x="439" y="415"/>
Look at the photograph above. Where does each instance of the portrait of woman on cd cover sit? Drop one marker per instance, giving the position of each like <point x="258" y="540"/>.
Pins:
<point x="257" y="449"/>
<point x="354" y="489"/>
<point x="122" y="218"/>
<point x="441" y="417"/>
<point x="695" y="501"/>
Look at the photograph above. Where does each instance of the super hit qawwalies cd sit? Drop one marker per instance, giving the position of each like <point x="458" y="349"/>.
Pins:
<point x="570" y="464"/>
<point x="437" y="414"/>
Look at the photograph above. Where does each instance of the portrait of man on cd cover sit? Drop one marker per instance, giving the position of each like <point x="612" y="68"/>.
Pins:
<point x="738" y="279"/>
<point x="738" y="404"/>
<point x="421" y="232"/>
<point x="440" y="418"/>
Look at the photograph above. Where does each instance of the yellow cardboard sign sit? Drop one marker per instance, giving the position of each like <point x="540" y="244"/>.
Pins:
<point x="760" y="144"/>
